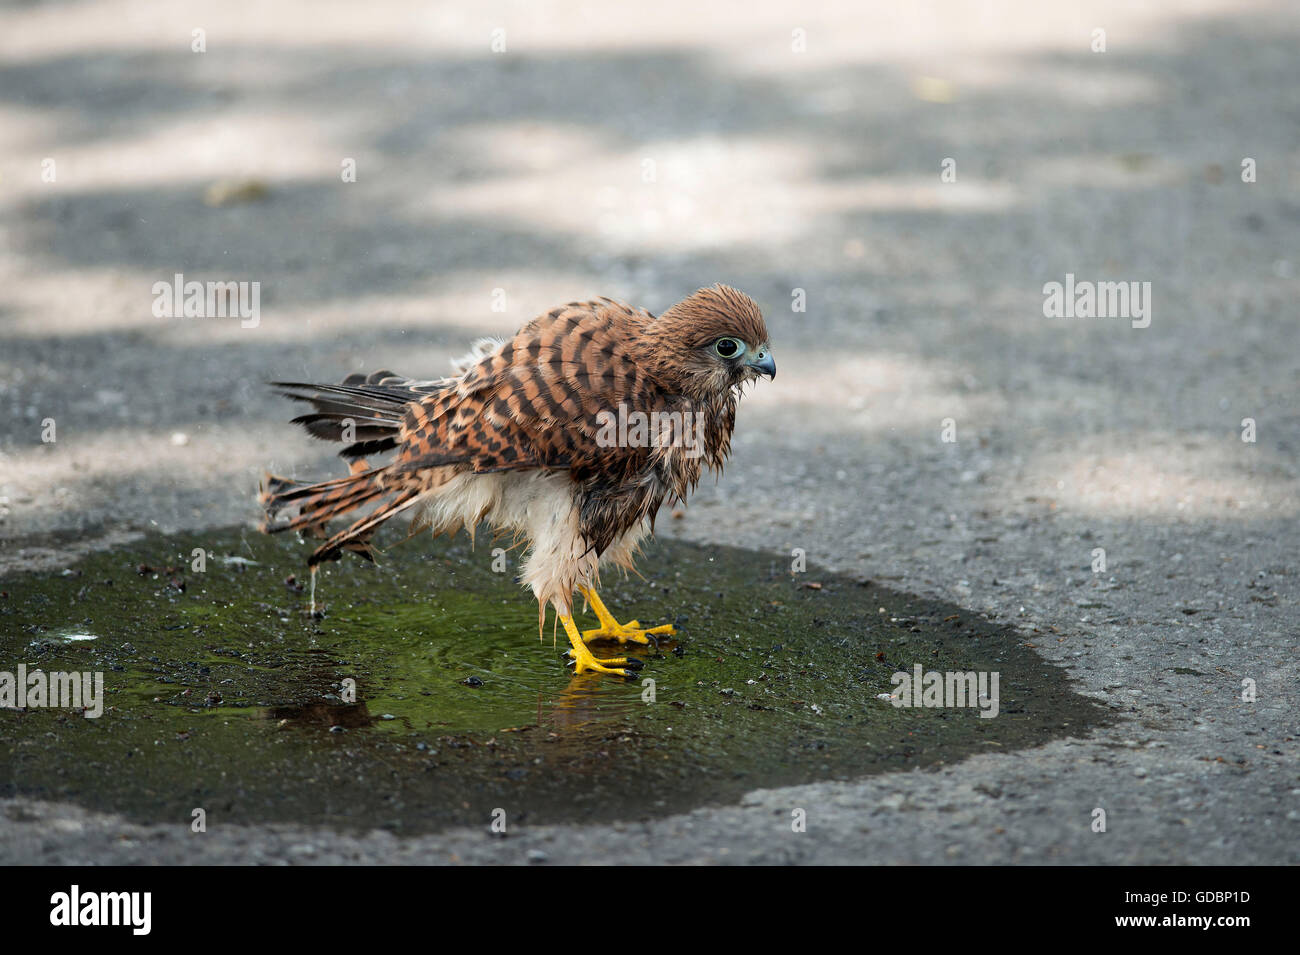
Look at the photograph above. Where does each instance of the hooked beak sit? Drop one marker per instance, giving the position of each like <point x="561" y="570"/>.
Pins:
<point x="764" y="363"/>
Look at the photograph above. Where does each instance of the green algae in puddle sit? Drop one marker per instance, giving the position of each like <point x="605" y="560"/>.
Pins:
<point x="224" y="693"/>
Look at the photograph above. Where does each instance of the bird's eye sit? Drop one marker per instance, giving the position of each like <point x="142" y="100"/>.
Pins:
<point x="728" y="347"/>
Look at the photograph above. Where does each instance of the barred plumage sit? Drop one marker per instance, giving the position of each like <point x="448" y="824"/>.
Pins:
<point x="520" y="438"/>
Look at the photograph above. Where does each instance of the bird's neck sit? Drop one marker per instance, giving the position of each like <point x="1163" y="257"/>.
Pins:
<point x="711" y="422"/>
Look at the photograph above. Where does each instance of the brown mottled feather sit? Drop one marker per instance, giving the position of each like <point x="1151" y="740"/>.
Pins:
<point x="533" y="404"/>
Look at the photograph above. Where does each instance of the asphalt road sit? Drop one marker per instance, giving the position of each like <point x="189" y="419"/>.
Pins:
<point x="797" y="153"/>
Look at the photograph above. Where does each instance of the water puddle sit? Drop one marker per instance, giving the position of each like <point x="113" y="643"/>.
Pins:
<point x="422" y="698"/>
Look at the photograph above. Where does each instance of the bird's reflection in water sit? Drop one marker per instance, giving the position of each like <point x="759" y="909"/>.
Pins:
<point x="591" y="709"/>
<point x="345" y="715"/>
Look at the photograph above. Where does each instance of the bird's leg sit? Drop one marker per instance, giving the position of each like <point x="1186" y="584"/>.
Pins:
<point x="583" y="660"/>
<point x="611" y="629"/>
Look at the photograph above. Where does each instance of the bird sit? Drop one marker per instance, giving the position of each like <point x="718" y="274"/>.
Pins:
<point x="571" y="436"/>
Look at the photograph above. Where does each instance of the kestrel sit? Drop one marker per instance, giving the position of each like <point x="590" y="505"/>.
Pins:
<point x="570" y="436"/>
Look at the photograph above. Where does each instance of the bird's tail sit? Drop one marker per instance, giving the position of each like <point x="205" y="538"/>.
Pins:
<point x="365" y="413"/>
<point x="318" y="504"/>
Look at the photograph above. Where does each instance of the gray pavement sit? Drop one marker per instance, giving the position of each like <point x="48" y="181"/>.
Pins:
<point x="641" y="154"/>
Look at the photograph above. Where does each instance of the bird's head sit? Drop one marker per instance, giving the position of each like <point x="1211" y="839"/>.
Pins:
<point x="710" y="343"/>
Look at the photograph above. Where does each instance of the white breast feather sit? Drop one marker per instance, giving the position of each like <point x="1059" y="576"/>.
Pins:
<point x="540" y="507"/>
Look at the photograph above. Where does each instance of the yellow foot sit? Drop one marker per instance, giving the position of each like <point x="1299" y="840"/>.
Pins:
<point x="582" y="659"/>
<point x="630" y="632"/>
<point x="611" y="629"/>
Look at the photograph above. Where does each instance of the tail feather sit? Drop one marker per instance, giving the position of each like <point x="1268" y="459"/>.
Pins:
<point x="318" y="504"/>
<point x="334" y="425"/>
<point x="356" y="538"/>
<point x="368" y="411"/>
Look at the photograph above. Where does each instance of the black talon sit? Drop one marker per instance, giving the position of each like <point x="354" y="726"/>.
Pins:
<point x="633" y="663"/>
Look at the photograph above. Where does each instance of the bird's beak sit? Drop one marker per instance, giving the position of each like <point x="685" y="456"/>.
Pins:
<point x="764" y="364"/>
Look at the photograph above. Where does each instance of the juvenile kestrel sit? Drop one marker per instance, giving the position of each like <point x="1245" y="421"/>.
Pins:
<point x="570" y="436"/>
